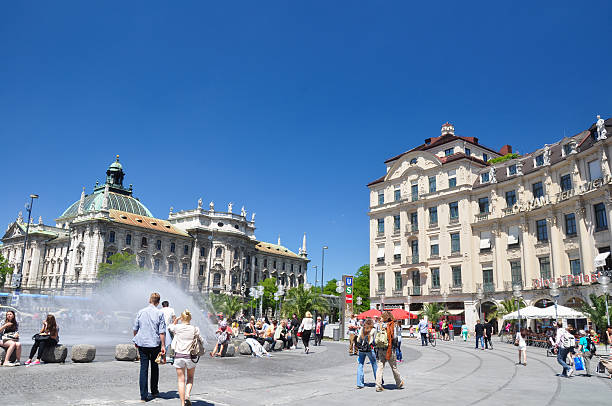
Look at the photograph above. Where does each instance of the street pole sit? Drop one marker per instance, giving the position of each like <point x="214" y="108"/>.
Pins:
<point x="25" y="244"/>
<point x="210" y="257"/>
<point x="322" y="265"/>
<point x="316" y="268"/>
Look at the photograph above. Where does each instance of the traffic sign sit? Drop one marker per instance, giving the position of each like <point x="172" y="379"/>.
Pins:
<point x="349" y="290"/>
<point x="349" y="281"/>
<point x="349" y="298"/>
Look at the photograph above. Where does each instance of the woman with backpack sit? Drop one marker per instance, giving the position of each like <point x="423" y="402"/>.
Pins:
<point x="184" y="334"/>
<point x="386" y="343"/>
<point x="365" y="346"/>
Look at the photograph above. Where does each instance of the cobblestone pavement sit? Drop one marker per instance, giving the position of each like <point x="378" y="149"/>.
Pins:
<point x="452" y="373"/>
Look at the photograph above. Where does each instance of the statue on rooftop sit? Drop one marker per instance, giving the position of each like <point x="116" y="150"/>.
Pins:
<point x="602" y="133"/>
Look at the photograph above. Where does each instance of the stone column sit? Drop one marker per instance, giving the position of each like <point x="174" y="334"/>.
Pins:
<point x="498" y="266"/>
<point x="556" y="245"/>
<point x="586" y="249"/>
<point x="193" y="272"/>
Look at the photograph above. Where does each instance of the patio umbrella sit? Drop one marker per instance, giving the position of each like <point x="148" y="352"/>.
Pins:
<point x="401" y="314"/>
<point x="369" y="313"/>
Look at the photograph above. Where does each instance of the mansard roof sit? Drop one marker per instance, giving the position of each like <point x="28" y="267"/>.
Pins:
<point x="146" y="222"/>
<point x="275" y="249"/>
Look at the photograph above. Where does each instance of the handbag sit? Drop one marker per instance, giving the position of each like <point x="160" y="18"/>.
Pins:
<point x="160" y="359"/>
<point x="10" y="336"/>
<point x="579" y="363"/>
<point x="40" y="337"/>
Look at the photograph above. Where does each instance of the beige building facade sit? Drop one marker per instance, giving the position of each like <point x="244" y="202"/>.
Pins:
<point x="446" y="223"/>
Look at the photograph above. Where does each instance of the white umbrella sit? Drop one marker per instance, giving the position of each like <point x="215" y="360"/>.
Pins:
<point x="561" y="313"/>
<point x="529" y="312"/>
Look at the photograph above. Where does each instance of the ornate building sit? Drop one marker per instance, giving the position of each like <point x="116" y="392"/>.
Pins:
<point x="200" y="249"/>
<point x="445" y="223"/>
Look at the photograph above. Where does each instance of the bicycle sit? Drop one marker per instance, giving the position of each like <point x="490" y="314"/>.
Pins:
<point x="431" y="337"/>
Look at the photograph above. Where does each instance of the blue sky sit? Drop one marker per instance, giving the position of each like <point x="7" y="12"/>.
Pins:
<point x="287" y="108"/>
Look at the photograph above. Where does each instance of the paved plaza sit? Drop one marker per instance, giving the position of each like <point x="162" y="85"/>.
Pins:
<point x="453" y="373"/>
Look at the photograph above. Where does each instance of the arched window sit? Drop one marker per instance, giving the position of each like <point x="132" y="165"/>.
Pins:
<point x="184" y="269"/>
<point x="158" y="245"/>
<point x="265" y="263"/>
<point x="141" y="261"/>
<point x="202" y="251"/>
<point x="156" y="265"/>
<point x="111" y="236"/>
<point x="170" y="267"/>
<point x="219" y="252"/>
<point x="143" y="242"/>
<point x="128" y="239"/>
<point x="217" y="280"/>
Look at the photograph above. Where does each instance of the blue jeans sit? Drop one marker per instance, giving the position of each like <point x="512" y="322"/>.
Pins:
<point x="481" y="340"/>
<point x="361" y="359"/>
<point x="561" y="357"/>
<point x="147" y="356"/>
<point x="424" y="339"/>
<point x="398" y="352"/>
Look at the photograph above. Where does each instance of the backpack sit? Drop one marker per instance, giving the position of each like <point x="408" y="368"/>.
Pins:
<point x="381" y="340"/>
<point x="568" y="341"/>
<point x="363" y="344"/>
<point x="591" y="345"/>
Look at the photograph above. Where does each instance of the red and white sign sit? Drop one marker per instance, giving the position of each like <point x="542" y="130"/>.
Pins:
<point x="349" y="298"/>
<point x="566" y="280"/>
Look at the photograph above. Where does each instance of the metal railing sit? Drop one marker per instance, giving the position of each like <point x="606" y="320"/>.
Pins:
<point x="482" y="216"/>
<point x="415" y="259"/>
<point x="488" y="287"/>
<point x="416" y="291"/>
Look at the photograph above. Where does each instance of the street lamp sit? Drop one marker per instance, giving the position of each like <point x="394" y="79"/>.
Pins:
<point x="480" y="296"/>
<point x="322" y="264"/>
<point x="516" y="292"/>
<point x="210" y="257"/>
<point x="17" y="277"/>
<point x="604" y="281"/>
<point x="554" y="292"/>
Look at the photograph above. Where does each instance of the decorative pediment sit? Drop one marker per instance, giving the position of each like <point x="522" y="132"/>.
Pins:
<point x="13" y="231"/>
<point x="414" y="162"/>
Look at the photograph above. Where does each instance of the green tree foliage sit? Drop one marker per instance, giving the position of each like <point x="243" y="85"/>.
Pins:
<point x="504" y="158"/>
<point x="596" y="311"/>
<point x="122" y="264"/>
<point x="361" y="288"/>
<point x="228" y="305"/>
<point x="5" y="270"/>
<point x="433" y="311"/>
<point x="330" y="288"/>
<point x="299" y="300"/>
<point x="270" y="288"/>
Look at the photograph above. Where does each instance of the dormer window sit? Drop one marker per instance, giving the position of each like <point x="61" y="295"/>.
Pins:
<point x="485" y="157"/>
<point x="567" y="149"/>
<point x="484" y="177"/>
<point x="539" y="160"/>
<point x="413" y="161"/>
<point x="468" y="152"/>
<point x="512" y="170"/>
<point x="449" y="151"/>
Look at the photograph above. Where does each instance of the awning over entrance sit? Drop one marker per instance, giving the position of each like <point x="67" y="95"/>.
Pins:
<point x="600" y="259"/>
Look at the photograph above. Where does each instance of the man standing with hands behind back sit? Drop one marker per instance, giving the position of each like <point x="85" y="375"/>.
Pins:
<point x="149" y="338"/>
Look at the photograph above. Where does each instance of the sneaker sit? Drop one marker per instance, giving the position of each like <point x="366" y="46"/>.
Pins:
<point x="401" y="385"/>
<point x="28" y="362"/>
<point x="380" y="389"/>
<point x="571" y="371"/>
<point x="187" y="402"/>
<point x="9" y="364"/>
<point x="360" y="387"/>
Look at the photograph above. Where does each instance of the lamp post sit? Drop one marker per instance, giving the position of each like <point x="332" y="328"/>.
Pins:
<point x="210" y="257"/>
<point x="480" y="296"/>
<point x="516" y="292"/>
<point x="322" y="265"/>
<point x="18" y="276"/>
<point x="604" y="281"/>
<point x="316" y="280"/>
<point x="554" y="293"/>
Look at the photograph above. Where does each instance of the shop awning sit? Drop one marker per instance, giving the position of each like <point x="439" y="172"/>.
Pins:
<point x="600" y="259"/>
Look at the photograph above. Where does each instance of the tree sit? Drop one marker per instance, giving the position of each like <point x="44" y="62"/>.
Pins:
<point x="270" y="288"/>
<point x="330" y="288"/>
<point x="122" y="264"/>
<point x="228" y="305"/>
<point x="361" y="288"/>
<point x="597" y="311"/>
<point x="5" y="270"/>
<point x="433" y="311"/>
<point x="299" y="300"/>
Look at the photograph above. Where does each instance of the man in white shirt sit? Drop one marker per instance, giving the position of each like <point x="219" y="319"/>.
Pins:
<point x="352" y="330"/>
<point x="422" y="327"/>
<point x="169" y="317"/>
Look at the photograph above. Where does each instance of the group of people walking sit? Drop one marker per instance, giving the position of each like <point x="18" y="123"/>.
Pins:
<point x="379" y="343"/>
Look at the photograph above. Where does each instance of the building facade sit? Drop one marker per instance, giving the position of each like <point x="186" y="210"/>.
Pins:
<point x="445" y="223"/>
<point x="202" y="249"/>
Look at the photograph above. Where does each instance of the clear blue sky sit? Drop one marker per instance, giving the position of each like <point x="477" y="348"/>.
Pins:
<point x="288" y="108"/>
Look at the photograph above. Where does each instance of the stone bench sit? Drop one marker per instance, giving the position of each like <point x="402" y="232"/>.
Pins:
<point x="3" y="355"/>
<point x="229" y="351"/>
<point x="56" y="354"/>
<point x="126" y="352"/>
<point x="83" y="353"/>
<point x="279" y="345"/>
<point x="244" y="348"/>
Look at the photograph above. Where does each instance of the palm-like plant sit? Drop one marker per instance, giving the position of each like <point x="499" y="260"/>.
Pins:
<point x="506" y="307"/>
<point x="299" y="300"/>
<point x="228" y="305"/>
<point x="597" y="311"/>
<point x="433" y="311"/>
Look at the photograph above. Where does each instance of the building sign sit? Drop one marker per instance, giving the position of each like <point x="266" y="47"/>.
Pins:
<point x="348" y="293"/>
<point x="587" y="187"/>
<point x="566" y="280"/>
<point x="539" y="202"/>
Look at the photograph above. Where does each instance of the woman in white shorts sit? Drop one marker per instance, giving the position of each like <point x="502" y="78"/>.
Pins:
<point x="184" y="334"/>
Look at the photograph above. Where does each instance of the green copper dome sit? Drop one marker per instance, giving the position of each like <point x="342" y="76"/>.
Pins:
<point x="93" y="202"/>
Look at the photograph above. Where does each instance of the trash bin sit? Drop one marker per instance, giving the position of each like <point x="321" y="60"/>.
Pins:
<point x="336" y="334"/>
